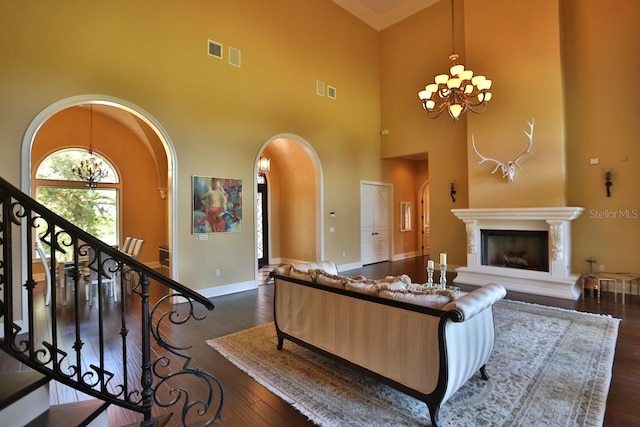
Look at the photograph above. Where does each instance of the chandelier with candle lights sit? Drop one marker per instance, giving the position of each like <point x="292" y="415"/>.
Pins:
<point x="457" y="92"/>
<point x="90" y="168"/>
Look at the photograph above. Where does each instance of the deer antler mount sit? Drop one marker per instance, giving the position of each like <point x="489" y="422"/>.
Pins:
<point x="509" y="168"/>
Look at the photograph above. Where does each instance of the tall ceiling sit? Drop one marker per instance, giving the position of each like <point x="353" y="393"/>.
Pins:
<point x="381" y="14"/>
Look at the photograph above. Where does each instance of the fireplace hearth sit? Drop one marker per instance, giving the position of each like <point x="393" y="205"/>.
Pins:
<point x="524" y="249"/>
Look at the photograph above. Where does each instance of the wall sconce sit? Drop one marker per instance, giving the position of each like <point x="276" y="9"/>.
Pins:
<point x="608" y="183"/>
<point x="264" y="165"/>
<point x="453" y="191"/>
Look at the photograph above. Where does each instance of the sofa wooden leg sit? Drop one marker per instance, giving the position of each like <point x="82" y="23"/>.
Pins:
<point x="434" y="411"/>
<point x="483" y="372"/>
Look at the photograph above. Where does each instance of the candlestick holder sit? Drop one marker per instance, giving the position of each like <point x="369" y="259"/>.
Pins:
<point x="443" y="276"/>
<point x="429" y="276"/>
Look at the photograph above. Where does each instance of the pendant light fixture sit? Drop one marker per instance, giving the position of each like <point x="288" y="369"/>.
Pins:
<point x="90" y="169"/>
<point x="457" y="92"/>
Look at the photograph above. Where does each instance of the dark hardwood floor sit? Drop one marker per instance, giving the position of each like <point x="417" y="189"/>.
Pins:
<point x="249" y="404"/>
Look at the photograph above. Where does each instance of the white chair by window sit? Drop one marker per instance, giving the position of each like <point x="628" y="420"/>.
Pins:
<point x="126" y="245"/>
<point x="47" y="271"/>
<point x="137" y="248"/>
<point x="108" y="279"/>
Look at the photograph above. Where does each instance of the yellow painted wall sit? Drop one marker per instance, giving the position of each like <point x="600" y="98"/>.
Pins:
<point x="564" y="62"/>
<point x="401" y="173"/>
<point x="549" y="60"/>
<point x="153" y="54"/>
<point x="293" y="201"/>
<point x="412" y="53"/>
<point x="517" y="45"/>
<point x="601" y="42"/>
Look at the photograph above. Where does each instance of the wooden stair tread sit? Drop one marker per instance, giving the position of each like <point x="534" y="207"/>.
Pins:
<point x="161" y="421"/>
<point x="16" y="385"/>
<point x="70" y="414"/>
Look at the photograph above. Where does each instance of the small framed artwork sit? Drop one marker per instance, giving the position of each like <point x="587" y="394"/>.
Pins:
<point x="216" y="205"/>
<point x="405" y="216"/>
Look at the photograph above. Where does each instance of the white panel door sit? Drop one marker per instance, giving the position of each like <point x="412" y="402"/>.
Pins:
<point x="375" y="205"/>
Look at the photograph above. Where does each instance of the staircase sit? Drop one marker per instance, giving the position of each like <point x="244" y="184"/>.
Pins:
<point x="130" y="352"/>
<point x="24" y="401"/>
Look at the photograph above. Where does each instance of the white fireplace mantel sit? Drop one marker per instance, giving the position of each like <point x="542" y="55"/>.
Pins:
<point x="557" y="282"/>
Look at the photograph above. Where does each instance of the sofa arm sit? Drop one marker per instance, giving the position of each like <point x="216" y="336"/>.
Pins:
<point x="476" y="301"/>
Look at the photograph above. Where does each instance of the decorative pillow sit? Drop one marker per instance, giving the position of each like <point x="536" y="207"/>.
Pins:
<point x="393" y="283"/>
<point x="328" y="266"/>
<point x="283" y="269"/>
<point x="438" y="298"/>
<point x="302" y="275"/>
<point x="365" y="287"/>
<point x="418" y="288"/>
<point x="324" y="278"/>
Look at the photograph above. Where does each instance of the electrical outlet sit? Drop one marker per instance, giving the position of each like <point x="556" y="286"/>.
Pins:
<point x="217" y="271"/>
<point x="601" y="267"/>
<point x="344" y="254"/>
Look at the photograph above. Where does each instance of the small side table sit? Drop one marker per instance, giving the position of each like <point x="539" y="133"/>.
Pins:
<point x="622" y="278"/>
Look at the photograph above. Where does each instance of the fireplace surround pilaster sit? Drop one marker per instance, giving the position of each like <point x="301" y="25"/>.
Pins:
<point x="556" y="221"/>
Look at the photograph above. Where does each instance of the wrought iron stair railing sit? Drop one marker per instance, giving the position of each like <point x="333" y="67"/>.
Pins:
<point x="129" y="351"/>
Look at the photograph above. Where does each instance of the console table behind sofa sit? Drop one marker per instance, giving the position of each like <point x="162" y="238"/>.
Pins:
<point x="426" y="352"/>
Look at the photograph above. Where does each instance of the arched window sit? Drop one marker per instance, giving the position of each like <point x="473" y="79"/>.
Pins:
<point x="57" y="187"/>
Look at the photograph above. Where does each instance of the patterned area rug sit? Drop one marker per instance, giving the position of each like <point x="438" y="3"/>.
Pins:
<point x="549" y="367"/>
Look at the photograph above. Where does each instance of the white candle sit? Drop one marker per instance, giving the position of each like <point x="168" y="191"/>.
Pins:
<point x="430" y="264"/>
<point x="443" y="258"/>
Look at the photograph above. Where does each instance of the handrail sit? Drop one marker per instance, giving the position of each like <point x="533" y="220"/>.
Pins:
<point x="151" y="384"/>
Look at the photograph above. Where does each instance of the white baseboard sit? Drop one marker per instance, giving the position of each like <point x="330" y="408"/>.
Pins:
<point x="349" y="266"/>
<point x="216" y="291"/>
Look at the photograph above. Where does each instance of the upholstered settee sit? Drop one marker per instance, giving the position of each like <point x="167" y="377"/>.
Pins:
<point x="424" y="342"/>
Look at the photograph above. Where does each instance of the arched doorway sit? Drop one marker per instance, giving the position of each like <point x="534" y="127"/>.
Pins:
<point x="295" y="203"/>
<point x="129" y="118"/>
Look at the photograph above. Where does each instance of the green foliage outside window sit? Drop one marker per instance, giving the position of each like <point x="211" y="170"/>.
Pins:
<point x="95" y="211"/>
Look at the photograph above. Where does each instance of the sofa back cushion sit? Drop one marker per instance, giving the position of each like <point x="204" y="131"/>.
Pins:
<point x="328" y="266"/>
<point x="435" y="299"/>
<point x="366" y="287"/>
<point x="282" y="269"/>
<point x="393" y="283"/>
<point x="296" y="273"/>
<point x="327" y="279"/>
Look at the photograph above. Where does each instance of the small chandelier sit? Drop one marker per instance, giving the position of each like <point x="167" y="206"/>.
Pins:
<point x="264" y="165"/>
<point x="457" y="92"/>
<point x="90" y="169"/>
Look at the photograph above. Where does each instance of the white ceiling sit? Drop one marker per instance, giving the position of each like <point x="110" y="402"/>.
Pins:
<point x="381" y="14"/>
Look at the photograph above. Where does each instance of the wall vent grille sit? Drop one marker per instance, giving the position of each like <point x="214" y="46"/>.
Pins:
<point x="214" y="49"/>
<point x="331" y="92"/>
<point x="234" y="57"/>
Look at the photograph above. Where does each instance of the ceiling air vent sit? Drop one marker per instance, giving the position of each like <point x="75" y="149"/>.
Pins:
<point x="214" y="49"/>
<point x="234" y="56"/>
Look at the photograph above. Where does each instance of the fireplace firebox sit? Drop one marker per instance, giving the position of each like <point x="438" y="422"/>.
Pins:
<point x="523" y="249"/>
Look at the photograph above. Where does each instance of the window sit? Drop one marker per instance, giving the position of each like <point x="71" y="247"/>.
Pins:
<point x="95" y="211"/>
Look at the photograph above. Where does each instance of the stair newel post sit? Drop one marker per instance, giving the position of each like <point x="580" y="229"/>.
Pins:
<point x="146" y="379"/>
